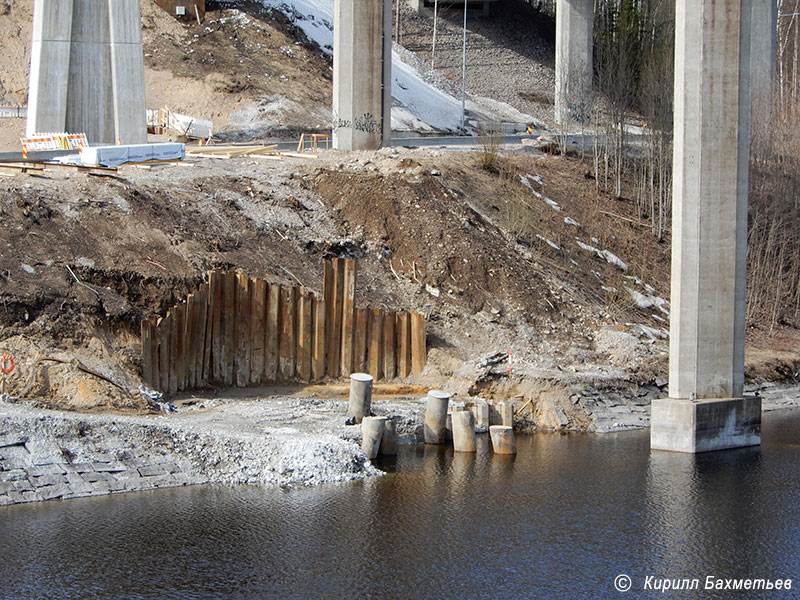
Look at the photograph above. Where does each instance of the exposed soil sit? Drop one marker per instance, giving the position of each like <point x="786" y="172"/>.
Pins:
<point x="517" y="253"/>
<point x="433" y="231"/>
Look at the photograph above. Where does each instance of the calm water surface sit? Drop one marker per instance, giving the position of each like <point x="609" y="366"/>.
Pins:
<point x="561" y="520"/>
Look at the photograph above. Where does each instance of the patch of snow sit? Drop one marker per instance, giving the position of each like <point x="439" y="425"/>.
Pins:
<point x="550" y="202"/>
<point x="649" y="301"/>
<point x="436" y="108"/>
<point x="549" y="243"/>
<point x="606" y="255"/>
<point x="417" y="104"/>
<point x="526" y="181"/>
<point x="636" y="280"/>
<point x="614" y="259"/>
<point x="403" y="120"/>
<point x="654" y="334"/>
<point x="571" y="221"/>
<point x="314" y="17"/>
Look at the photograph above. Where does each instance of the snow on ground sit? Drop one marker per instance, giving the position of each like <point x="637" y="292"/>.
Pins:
<point x="417" y="105"/>
<point x="649" y="301"/>
<point x="526" y="181"/>
<point x="606" y="255"/>
<point x="548" y="242"/>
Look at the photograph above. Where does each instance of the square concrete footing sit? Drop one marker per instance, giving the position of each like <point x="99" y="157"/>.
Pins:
<point x="682" y="425"/>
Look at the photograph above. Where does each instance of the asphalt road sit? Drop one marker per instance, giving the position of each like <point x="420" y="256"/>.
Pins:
<point x="417" y="141"/>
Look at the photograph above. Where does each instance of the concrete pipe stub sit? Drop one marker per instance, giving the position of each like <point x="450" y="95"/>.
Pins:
<point x="503" y="441"/>
<point x="464" y="431"/>
<point x="360" y="396"/>
<point x="436" y="416"/>
<point x="506" y="409"/>
<point x="371" y="434"/>
<point x="389" y="439"/>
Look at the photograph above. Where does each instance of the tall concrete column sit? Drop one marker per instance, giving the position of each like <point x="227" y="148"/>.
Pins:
<point x="362" y="34"/>
<point x="87" y="70"/>
<point x="127" y="72"/>
<point x="47" y="90"/>
<point x="763" y="52"/>
<point x="574" y="31"/>
<point x="705" y="410"/>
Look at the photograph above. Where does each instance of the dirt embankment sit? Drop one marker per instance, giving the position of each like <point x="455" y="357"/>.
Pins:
<point x="526" y="258"/>
<point x="249" y="69"/>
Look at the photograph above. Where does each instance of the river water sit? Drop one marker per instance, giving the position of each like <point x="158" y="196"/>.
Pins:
<point x="561" y="520"/>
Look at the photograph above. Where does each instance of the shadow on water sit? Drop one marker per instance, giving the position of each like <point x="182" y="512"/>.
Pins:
<point x="559" y="520"/>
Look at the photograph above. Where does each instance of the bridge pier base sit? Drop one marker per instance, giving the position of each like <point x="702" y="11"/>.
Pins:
<point x="706" y="409"/>
<point x="681" y="425"/>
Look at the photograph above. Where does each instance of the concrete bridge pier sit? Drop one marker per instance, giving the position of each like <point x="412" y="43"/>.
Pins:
<point x="763" y="53"/>
<point x="706" y="409"/>
<point x="574" y="31"/>
<point x="362" y="74"/>
<point x="87" y="70"/>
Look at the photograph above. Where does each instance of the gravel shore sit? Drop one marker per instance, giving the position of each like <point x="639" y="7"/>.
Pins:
<point x="47" y="454"/>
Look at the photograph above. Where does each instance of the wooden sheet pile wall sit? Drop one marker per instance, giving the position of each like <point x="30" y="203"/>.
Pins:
<point x="237" y="330"/>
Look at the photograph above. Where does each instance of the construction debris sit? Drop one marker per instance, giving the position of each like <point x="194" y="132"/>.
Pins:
<point x="249" y="151"/>
<point x="163" y="120"/>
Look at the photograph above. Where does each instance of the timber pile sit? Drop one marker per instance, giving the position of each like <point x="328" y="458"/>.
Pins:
<point x="32" y="167"/>
<point x="237" y="330"/>
<point x="253" y="151"/>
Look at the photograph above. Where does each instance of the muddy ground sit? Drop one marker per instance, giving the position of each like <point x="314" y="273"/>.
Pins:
<point x="524" y="256"/>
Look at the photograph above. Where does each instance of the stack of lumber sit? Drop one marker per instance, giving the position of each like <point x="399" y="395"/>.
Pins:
<point x="234" y="151"/>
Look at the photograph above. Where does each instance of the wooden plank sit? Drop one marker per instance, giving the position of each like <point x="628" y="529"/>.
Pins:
<point x="402" y="342"/>
<point x="334" y="270"/>
<point x="147" y="352"/>
<point x="242" y="362"/>
<point x="155" y="377"/>
<point x="180" y="345"/>
<point x="348" y="317"/>
<point x="189" y="338"/>
<point x="209" y="320"/>
<point x="228" y="327"/>
<point x="418" y="347"/>
<point x="360" y="341"/>
<point x="318" y="364"/>
<point x="202" y="332"/>
<point x="258" y="320"/>
<point x="389" y="361"/>
<point x="272" y="332"/>
<point x="165" y="329"/>
<point x="288" y="343"/>
<point x="375" y="343"/>
<point x="216" y="371"/>
<point x="304" y="332"/>
<point x="173" y="350"/>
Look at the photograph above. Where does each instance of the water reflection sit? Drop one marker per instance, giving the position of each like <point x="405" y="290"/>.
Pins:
<point x="559" y="520"/>
<point x="717" y="514"/>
